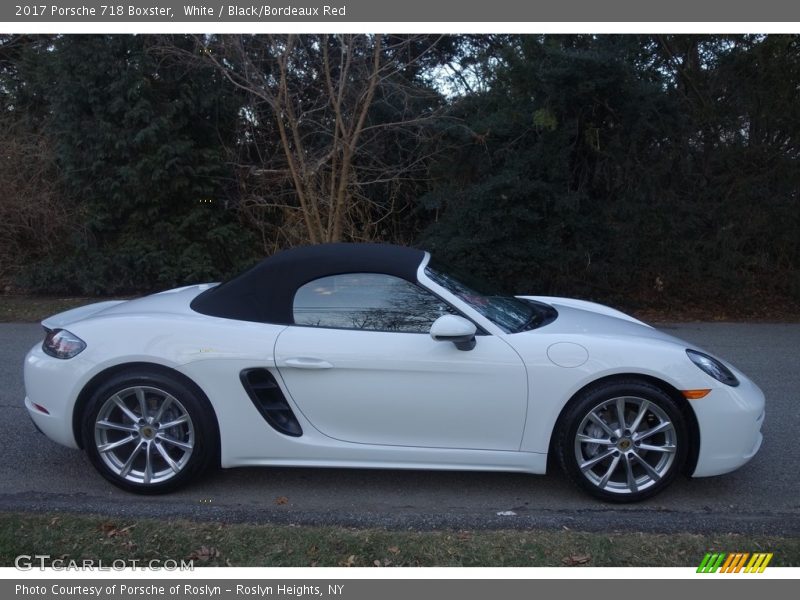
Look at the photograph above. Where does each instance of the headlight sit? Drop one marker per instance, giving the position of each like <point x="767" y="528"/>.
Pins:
<point x="713" y="367"/>
<point x="60" y="343"/>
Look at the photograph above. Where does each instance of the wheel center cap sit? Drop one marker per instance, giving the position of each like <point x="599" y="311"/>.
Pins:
<point x="147" y="432"/>
<point x="624" y="444"/>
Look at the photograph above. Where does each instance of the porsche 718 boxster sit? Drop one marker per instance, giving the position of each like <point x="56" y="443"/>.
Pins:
<point x="369" y="355"/>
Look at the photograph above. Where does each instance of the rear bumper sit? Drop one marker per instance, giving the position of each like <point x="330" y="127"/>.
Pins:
<point x="48" y="384"/>
<point x="730" y="421"/>
<point x="51" y="426"/>
<point x="30" y="408"/>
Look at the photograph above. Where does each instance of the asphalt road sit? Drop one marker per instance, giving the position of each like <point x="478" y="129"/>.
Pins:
<point x="762" y="497"/>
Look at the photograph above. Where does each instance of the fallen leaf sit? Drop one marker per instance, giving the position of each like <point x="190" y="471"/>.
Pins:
<point x="351" y="560"/>
<point x="108" y="529"/>
<point x="111" y="530"/>
<point x="394" y="549"/>
<point x="578" y="559"/>
<point x="376" y="562"/>
<point x="204" y="553"/>
<point x="281" y="500"/>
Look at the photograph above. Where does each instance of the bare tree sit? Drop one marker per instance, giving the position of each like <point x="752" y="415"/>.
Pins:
<point x="333" y="129"/>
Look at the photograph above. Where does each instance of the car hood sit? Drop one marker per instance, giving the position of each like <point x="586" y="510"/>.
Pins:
<point x="579" y="317"/>
<point x="174" y="301"/>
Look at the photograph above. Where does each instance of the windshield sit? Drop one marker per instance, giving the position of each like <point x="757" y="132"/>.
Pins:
<point x="510" y="313"/>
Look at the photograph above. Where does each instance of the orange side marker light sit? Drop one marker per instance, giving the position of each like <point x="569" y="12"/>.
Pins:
<point x="695" y="394"/>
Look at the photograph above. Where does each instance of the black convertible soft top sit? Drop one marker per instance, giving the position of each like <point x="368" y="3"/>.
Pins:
<point x="265" y="293"/>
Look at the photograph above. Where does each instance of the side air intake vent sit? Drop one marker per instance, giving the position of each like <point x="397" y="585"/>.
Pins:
<point x="268" y="398"/>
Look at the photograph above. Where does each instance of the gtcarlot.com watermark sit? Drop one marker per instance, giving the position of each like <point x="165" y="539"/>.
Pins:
<point x="29" y="562"/>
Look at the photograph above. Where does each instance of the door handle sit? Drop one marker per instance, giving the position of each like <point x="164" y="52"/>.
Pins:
<point x="307" y="363"/>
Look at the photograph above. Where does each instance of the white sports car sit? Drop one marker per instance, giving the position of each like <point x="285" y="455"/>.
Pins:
<point x="367" y="355"/>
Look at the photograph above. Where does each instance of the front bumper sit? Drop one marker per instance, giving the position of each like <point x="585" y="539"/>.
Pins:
<point x="730" y="421"/>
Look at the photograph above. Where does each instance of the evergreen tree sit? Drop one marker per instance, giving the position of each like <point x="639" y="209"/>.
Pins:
<point x="141" y="144"/>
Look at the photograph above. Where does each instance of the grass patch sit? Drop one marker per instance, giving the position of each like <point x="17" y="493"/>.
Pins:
<point x="24" y="309"/>
<point x="71" y="537"/>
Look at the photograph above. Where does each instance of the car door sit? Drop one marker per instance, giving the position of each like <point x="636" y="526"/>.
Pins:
<point x="361" y="366"/>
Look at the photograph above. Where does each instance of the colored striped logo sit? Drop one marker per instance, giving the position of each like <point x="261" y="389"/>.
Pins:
<point x="734" y="562"/>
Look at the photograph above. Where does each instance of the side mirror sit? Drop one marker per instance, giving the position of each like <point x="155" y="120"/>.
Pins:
<point x="452" y="328"/>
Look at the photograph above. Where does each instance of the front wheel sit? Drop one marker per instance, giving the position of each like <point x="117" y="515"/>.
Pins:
<point x="148" y="433"/>
<point x="623" y="441"/>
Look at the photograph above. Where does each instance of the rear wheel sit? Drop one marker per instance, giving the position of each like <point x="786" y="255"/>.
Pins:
<point x="148" y="432"/>
<point x="623" y="441"/>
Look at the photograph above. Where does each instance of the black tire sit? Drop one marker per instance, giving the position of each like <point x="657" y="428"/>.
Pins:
<point x="186" y="434"/>
<point x="625" y="466"/>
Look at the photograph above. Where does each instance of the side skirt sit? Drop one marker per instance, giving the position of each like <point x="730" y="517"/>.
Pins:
<point x="435" y="459"/>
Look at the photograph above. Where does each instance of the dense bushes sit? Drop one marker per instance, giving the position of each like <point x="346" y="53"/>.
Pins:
<point x="140" y="143"/>
<point x="642" y="170"/>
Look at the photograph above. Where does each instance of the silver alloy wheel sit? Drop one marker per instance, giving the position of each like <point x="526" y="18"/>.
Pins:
<point x="625" y="445"/>
<point x="144" y="435"/>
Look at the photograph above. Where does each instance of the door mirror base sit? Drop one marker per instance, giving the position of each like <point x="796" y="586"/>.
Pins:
<point x="466" y="345"/>
<point x="455" y="329"/>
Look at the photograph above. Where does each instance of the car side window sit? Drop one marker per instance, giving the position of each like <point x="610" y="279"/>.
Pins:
<point x="368" y="301"/>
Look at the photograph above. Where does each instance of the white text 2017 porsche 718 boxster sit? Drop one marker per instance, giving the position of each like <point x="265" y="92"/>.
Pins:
<point x="369" y="355"/>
